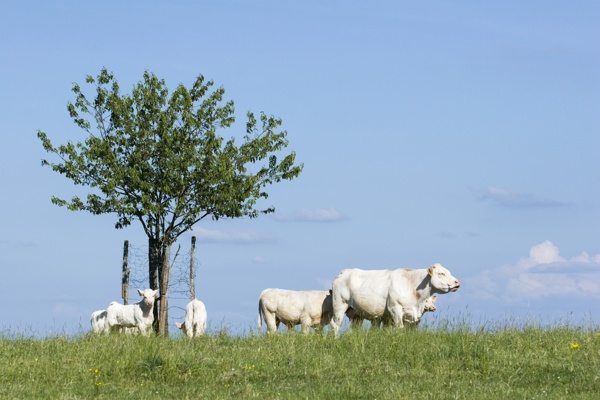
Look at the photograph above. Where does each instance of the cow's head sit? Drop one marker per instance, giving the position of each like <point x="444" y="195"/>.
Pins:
<point x="430" y="303"/>
<point x="442" y="280"/>
<point x="149" y="296"/>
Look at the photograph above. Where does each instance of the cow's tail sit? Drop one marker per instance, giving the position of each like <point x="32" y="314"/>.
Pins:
<point x="260" y="315"/>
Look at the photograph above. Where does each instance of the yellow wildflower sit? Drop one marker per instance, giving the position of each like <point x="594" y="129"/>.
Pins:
<point x="574" y="345"/>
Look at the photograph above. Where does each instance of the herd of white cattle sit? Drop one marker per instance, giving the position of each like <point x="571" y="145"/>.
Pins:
<point x="390" y="297"/>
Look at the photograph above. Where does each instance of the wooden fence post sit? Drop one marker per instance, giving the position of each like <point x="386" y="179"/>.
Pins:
<point x="165" y="273"/>
<point x="125" y="276"/>
<point x="192" y="274"/>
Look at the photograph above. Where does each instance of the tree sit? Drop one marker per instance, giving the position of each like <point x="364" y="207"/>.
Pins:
<point x="158" y="159"/>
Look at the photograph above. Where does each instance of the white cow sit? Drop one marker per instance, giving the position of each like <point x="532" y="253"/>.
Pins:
<point x="98" y="320"/>
<point x="390" y="295"/>
<point x="292" y="307"/>
<point x="195" y="319"/>
<point x="138" y="315"/>
<point x="356" y="320"/>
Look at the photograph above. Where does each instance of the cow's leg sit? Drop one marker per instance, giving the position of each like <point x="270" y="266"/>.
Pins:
<point x="339" y="310"/>
<point x="395" y="313"/>
<point x="277" y="322"/>
<point x="320" y="328"/>
<point x="143" y="329"/>
<point x="271" y="321"/>
<point x="339" y="306"/>
<point x="306" y="324"/>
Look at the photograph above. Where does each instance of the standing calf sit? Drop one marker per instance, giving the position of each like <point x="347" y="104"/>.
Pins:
<point x="195" y="319"/>
<point x="138" y="315"/>
<point x="98" y="320"/>
<point x="292" y="307"/>
<point x="356" y="320"/>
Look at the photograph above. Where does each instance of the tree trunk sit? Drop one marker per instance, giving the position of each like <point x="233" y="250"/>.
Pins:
<point x="165" y="273"/>
<point x="154" y="262"/>
<point x="125" y="276"/>
<point x="192" y="270"/>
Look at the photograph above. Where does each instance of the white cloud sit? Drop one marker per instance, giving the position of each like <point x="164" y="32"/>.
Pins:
<point x="544" y="275"/>
<point x="213" y="236"/>
<point x="509" y="198"/>
<point x="544" y="253"/>
<point x="315" y="215"/>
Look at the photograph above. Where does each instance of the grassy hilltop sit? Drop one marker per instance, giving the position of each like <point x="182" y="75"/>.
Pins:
<point x="452" y="363"/>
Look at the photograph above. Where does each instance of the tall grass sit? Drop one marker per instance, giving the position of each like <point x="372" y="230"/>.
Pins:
<point x="456" y="362"/>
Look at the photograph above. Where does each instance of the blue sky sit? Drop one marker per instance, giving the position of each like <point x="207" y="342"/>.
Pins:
<point x="464" y="133"/>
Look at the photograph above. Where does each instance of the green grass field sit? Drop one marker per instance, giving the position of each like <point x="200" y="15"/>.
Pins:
<point x="428" y="363"/>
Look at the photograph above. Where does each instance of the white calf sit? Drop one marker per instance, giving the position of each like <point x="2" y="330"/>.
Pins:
<point x="195" y="319"/>
<point x="293" y="307"/>
<point x="138" y="315"/>
<point x="98" y="321"/>
<point x="356" y="320"/>
<point x="429" y="305"/>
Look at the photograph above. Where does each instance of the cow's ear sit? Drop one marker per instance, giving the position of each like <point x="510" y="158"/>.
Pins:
<point x="434" y="298"/>
<point x="430" y="270"/>
<point x="178" y="325"/>
<point x="140" y="292"/>
<point x="156" y="293"/>
<point x="330" y="291"/>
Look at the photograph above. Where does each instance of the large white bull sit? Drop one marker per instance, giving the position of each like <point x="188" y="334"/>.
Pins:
<point x="292" y="307"/>
<point x="393" y="296"/>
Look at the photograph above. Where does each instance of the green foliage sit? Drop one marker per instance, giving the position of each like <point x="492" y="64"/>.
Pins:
<point x="388" y="364"/>
<point x="158" y="158"/>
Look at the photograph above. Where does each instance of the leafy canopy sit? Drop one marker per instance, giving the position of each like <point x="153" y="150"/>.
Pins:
<point x="157" y="158"/>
